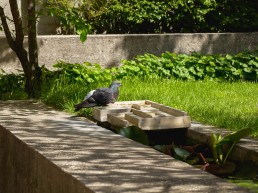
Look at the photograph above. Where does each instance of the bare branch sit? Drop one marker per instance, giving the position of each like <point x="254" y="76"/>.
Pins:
<point x="6" y="28"/>
<point x="17" y="21"/>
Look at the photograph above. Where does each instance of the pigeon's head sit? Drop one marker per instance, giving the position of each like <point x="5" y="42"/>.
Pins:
<point x="114" y="86"/>
<point x="114" y="89"/>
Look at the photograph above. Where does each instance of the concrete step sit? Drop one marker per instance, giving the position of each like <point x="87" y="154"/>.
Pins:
<point x="44" y="150"/>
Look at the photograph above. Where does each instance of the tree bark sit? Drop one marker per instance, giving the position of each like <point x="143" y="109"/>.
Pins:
<point x="16" y="42"/>
<point x="33" y="48"/>
<point x="30" y="66"/>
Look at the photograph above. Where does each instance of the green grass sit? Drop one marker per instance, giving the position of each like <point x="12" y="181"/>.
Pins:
<point x="227" y="105"/>
<point x="250" y="184"/>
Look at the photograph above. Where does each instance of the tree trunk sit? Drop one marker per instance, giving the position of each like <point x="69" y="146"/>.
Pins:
<point x="30" y="66"/>
<point x="34" y="71"/>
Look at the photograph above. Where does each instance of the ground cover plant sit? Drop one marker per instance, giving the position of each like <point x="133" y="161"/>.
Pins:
<point x="242" y="66"/>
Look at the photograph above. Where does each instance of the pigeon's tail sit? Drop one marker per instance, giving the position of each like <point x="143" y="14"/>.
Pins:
<point x="84" y="104"/>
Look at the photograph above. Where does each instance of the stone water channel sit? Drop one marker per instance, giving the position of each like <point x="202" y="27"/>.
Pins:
<point x="165" y="126"/>
<point x="45" y="150"/>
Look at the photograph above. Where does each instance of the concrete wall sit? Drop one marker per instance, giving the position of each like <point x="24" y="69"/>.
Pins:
<point x="24" y="170"/>
<point x="109" y="50"/>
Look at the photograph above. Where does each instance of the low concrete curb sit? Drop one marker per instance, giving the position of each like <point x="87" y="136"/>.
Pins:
<point x="43" y="150"/>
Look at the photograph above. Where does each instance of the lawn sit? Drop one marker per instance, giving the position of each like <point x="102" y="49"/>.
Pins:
<point x="223" y="104"/>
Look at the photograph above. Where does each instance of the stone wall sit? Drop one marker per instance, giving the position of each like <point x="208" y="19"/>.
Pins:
<point x="24" y="170"/>
<point x="109" y="50"/>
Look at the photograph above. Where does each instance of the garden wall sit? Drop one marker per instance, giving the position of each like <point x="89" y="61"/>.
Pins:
<point x="109" y="50"/>
<point x="24" y="170"/>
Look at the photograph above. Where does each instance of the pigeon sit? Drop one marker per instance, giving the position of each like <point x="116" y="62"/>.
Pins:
<point x="100" y="96"/>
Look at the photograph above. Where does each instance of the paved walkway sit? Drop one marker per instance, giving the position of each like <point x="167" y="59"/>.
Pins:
<point x="78" y="153"/>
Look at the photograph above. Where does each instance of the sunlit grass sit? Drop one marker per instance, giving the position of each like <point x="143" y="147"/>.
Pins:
<point x="229" y="105"/>
<point x="222" y="104"/>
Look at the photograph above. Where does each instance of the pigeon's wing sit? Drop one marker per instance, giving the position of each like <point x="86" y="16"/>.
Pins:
<point x="89" y="94"/>
<point x="102" y="96"/>
<point x="85" y="104"/>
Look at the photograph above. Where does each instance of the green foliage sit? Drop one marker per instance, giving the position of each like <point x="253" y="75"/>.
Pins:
<point x="11" y="86"/>
<point x="217" y="142"/>
<point x="63" y="94"/>
<point x="85" y="72"/>
<point x="234" y="137"/>
<point x="70" y="17"/>
<point x="242" y="66"/>
<point x="132" y="16"/>
<point x="162" y="16"/>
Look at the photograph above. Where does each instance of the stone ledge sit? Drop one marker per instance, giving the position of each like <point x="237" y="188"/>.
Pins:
<point x="43" y="150"/>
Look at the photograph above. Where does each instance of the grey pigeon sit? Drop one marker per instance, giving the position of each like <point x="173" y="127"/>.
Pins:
<point x="100" y="97"/>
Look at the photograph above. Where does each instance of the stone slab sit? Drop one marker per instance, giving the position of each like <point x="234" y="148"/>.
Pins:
<point x="44" y="150"/>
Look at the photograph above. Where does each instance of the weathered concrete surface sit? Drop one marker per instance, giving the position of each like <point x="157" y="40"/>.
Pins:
<point x="42" y="150"/>
<point x="109" y="50"/>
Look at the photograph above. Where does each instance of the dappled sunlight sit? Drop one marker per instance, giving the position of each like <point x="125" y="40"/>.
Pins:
<point x="101" y="159"/>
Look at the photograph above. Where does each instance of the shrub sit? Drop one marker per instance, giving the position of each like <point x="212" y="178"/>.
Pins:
<point x="159" y="16"/>
<point x="11" y="85"/>
<point x="9" y="82"/>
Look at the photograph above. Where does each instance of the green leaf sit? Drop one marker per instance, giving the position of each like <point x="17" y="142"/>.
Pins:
<point x="182" y="154"/>
<point x="215" y="138"/>
<point x="83" y="36"/>
<point x="135" y="134"/>
<point x="235" y="136"/>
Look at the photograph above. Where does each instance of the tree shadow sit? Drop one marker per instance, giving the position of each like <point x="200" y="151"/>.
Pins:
<point x="100" y="159"/>
<point x="204" y="43"/>
<point x="109" y="50"/>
